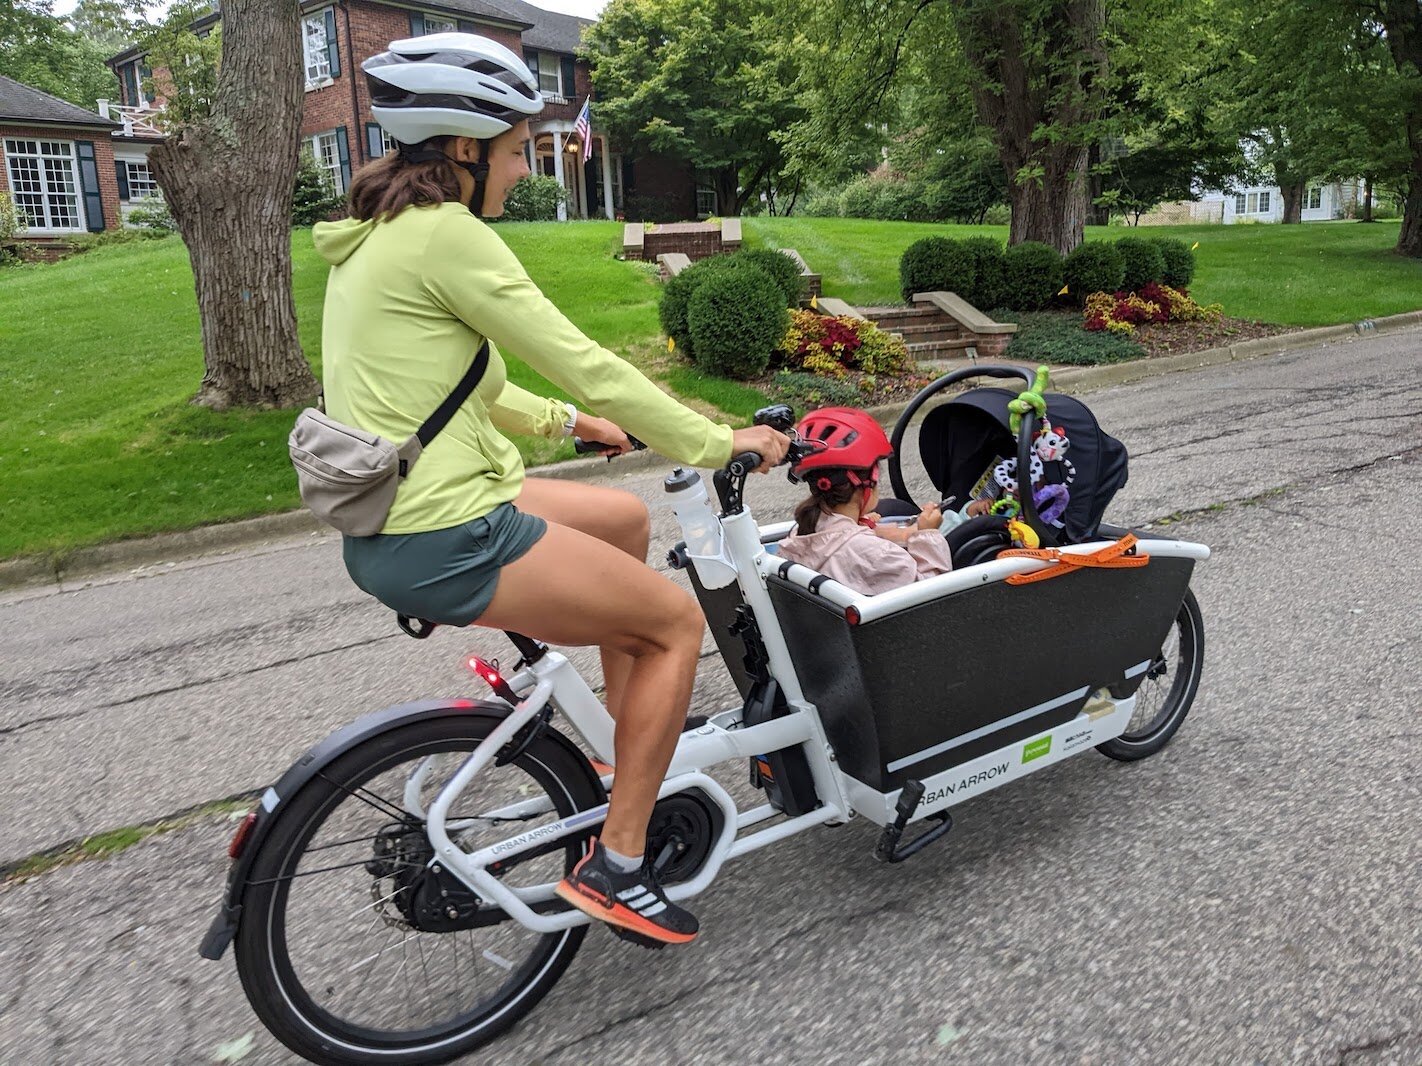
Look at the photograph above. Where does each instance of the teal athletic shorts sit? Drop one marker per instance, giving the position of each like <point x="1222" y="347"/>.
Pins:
<point x="445" y="575"/>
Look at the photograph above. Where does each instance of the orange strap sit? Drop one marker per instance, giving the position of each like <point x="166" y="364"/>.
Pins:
<point x="1111" y="557"/>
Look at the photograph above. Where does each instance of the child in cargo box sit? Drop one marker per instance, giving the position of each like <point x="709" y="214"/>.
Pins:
<point x="836" y="530"/>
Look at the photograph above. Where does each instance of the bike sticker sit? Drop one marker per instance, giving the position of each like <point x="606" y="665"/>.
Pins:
<point x="1037" y="748"/>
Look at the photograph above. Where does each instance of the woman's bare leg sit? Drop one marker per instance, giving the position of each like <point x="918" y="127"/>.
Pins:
<point x="574" y="589"/>
<point x="612" y="516"/>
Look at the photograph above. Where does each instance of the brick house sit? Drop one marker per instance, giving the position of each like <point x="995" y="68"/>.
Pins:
<point x="57" y="164"/>
<point x="342" y="136"/>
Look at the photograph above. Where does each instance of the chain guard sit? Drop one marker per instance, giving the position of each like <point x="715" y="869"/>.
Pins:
<point x="683" y="829"/>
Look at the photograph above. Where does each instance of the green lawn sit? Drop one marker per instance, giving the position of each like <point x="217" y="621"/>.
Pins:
<point x="100" y="353"/>
<point x="1311" y="275"/>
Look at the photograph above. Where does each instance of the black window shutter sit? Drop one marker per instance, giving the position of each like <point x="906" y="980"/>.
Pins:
<point x="417" y="24"/>
<point x="531" y="58"/>
<point x="129" y="80"/>
<point x="628" y="182"/>
<point x="121" y="172"/>
<point x="89" y="181"/>
<point x="333" y="51"/>
<point x="343" y="150"/>
<point x="374" y="143"/>
<point x="144" y="73"/>
<point x="570" y="83"/>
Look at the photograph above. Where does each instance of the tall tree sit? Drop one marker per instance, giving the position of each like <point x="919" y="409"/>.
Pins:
<point x="226" y="170"/>
<point x="705" y="81"/>
<point x="1037" y="73"/>
<point x="1401" y="23"/>
<point x="37" y="48"/>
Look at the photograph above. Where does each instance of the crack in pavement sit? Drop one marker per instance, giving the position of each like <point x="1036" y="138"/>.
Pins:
<point x="1355" y="1052"/>
<point x="17" y="727"/>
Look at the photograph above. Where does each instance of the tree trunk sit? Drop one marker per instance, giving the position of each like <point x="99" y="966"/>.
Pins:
<point x="728" y="200"/>
<point x="1039" y="90"/>
<point x="1367" y="199"/>
<point x="1293" y="200"/>
<point x="1097" y="214"/>
<point x="227" y="178"/>
<point x="1402" y="19"/>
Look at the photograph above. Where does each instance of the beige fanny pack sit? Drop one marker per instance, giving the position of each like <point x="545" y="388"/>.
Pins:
<point x="348" y="477"/>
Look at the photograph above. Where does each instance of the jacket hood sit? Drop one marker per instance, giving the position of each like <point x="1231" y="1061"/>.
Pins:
<point x="337" y="241"/>
<point x="833" y="530"/>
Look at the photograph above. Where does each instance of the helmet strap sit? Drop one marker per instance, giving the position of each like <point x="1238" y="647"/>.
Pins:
<point x="478" y="171"/>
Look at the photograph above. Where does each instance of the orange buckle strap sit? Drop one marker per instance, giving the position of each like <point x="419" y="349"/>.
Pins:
<point x="1111" y="557"/>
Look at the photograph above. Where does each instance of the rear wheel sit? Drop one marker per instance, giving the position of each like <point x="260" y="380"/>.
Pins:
<point x="1165" y="694"/>
<point x="338" y="950"/>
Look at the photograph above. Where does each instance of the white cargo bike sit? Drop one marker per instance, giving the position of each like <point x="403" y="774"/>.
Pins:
<point x="391" y="897"/>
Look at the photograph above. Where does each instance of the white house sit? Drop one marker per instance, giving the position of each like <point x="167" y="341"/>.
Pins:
<point x="1259" y="203"/>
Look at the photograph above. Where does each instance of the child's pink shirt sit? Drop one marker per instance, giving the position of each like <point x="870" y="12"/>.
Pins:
<point x="854" y="556"/>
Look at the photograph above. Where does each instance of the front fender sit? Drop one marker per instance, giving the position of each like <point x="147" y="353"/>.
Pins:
<point x="229" y="914"/>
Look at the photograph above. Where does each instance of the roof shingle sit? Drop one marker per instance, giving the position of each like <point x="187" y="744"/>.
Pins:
<point x="20" y="103"/>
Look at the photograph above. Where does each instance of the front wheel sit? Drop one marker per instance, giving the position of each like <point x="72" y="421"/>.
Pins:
<point x="346" y="951"/>
<point x="1164" y="696"/>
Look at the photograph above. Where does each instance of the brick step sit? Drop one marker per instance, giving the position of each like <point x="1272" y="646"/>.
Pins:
<point x="933" y="331"/>
<point x="900" y="314"/>
<point x="934" y="349"/>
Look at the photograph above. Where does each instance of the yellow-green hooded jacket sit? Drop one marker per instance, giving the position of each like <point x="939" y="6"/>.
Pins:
<point x="408" y="303"/>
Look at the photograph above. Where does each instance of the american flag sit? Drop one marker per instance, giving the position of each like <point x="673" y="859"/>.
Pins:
<point x="582" y="128"/>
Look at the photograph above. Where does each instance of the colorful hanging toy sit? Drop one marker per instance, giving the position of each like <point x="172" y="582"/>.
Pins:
<point x="1049" y="445"/>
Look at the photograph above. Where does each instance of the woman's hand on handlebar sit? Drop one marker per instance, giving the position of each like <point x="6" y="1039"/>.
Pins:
<point x="602" y="432"/>
<point x="770" y="444"/>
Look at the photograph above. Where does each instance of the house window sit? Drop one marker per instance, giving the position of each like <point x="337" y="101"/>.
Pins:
<point x="318" y="55"/>
<point x="328" y="158"/>
<point x="440" y="24"/>
<point x="1313" y="199"/>
<point x="705" y="201"/>
<point x="1240" y="207"/>
<point x="549" y="72"/>
<point x="388" y="143"/>
<point x="128" y="79"/>
<point x="140" y="181"/>
<point x="44" y="183"/>
<point x="1265" y="202"/>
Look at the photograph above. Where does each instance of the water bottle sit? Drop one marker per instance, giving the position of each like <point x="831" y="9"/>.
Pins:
<point x="705" y="543"/>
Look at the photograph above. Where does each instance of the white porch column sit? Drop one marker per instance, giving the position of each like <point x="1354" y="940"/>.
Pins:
<point x="558" y="172"/>
<point x="607" y="206"/>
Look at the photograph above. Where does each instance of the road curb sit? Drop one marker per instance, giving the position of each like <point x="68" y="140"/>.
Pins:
<point x="53" y="568"/>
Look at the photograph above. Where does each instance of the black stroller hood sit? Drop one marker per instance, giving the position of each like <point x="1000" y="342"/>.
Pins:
<point x="961" y="439"/>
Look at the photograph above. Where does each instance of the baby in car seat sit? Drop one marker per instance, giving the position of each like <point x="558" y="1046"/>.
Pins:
<point x="836" y="531"/>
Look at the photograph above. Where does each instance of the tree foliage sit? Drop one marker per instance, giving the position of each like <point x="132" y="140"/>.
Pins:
<point x="40" y="50"/>
<point x="708" y="82"/>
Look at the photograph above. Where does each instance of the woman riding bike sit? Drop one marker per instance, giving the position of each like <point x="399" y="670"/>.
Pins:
<point x="418" y="282"/>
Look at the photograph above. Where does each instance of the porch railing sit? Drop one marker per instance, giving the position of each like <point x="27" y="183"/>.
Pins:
<point x="145" y="120"/>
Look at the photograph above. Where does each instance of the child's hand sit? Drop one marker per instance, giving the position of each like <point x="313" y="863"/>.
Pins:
<point x="978" y="508"/>
<point x="899" y="533"/>
<point x="931" y="517"/>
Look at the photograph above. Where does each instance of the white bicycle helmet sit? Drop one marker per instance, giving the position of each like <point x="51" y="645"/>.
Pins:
<point x="449" y="85"/>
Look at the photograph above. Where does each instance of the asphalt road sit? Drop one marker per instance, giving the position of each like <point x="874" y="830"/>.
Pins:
<point x="1249" y="895"/>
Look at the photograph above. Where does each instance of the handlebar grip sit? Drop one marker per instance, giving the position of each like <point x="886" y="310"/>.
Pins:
<point x="592" y="447"/>
<point x="744" y="463"/>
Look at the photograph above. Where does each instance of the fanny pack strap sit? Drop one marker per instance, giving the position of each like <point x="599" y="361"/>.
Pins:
<point x="410" y="450"/>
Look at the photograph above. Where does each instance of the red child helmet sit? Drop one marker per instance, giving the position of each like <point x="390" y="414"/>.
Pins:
<point x="852" y="441"/>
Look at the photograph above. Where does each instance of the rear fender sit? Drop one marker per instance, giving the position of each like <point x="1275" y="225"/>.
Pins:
<point x="229" y="915"/>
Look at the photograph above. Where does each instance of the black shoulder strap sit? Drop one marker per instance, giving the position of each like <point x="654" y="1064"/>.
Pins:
<point x="455" y="400"/>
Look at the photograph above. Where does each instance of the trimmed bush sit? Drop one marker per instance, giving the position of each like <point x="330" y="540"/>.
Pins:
<point x="935" y="264"/>
<point x="676" y="298"/>
<point x="1033" y="275"/>
<point x="1056" y="338"/>
<point x="1178" y="260"/>
<point x="737" y="318"/>
<point x="989" y="272"/>
<point x="784" y="270"/>
<point x="1142" y="260"/>
<point x="1096" y="266"/>
<point x="534" y="199"/>
<point x="313" y="197"/>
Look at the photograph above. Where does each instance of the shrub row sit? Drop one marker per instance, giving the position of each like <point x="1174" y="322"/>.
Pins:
<point x="1028" y="276"/>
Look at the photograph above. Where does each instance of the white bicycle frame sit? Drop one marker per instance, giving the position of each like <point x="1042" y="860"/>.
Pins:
<point x="554" y="680"/>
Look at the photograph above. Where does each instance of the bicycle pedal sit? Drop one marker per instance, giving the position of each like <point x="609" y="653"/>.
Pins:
<point x="636" y="938"/>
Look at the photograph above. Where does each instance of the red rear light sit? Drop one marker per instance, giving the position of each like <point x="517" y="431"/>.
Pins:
<point x="851" y="615"/>
<point x="490" y="675"/>
<point x="239" y="839"/>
